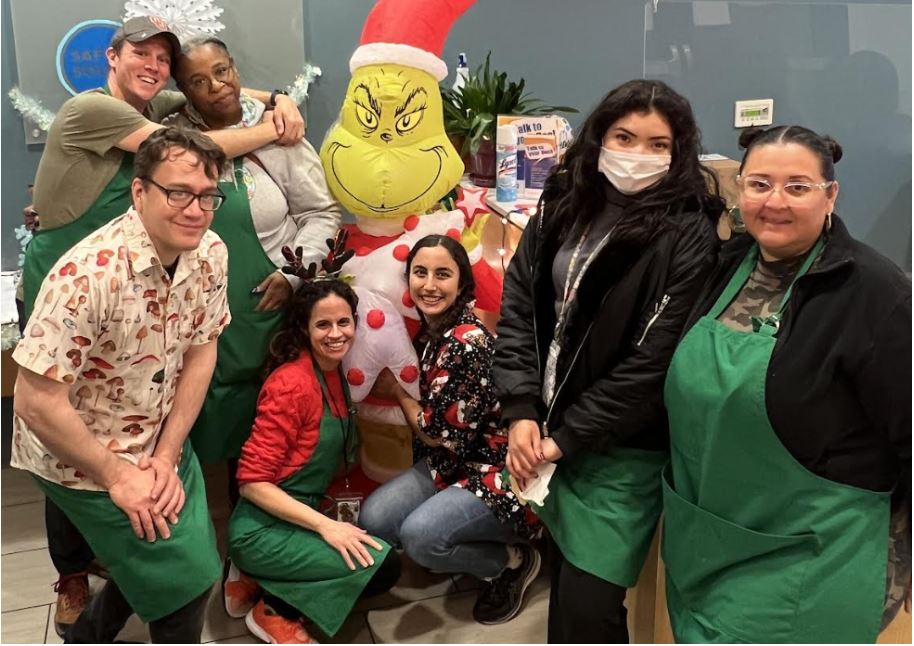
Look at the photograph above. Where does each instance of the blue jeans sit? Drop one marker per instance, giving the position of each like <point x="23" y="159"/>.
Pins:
<point x="449" y="531"/>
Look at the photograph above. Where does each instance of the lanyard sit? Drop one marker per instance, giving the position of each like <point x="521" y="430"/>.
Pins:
<point x="570" y="292"/>
<point x="345" y="430"/>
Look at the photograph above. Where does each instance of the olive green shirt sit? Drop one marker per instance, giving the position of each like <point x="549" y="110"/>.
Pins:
<point x="81" y="154"/>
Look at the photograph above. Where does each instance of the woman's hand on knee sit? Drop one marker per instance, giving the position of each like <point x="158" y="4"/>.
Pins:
<point x="349" y="541"/>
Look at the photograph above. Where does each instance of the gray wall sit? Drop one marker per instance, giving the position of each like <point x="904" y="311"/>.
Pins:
<point x="839" y="67"/>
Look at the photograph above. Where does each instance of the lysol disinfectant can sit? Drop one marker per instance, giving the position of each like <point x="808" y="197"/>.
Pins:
<point x="506" y="163"/>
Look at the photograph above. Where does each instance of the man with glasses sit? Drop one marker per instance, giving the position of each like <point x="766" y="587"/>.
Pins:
<point x="83" y="182"/>
<point x="114" y="365"/>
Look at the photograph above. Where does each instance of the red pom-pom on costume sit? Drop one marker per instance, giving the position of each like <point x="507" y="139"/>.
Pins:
<point x="355" y="376"/>
<point x="375" y="319"/>
<point x="409" y="374"/>
<point x="401" y="252"/>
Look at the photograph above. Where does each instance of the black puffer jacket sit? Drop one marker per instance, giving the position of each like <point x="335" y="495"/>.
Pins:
<point x="620" y="335"/>
<point x="838" y="388"/>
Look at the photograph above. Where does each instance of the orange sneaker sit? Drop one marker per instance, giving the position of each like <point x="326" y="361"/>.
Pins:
<point x="240" y="592"/>
<point x="273" y="628"/>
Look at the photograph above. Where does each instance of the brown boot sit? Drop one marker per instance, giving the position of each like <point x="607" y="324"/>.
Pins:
<point x="72" y="598"/>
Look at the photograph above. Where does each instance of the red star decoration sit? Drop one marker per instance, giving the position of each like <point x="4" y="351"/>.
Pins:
<point x="471" y="201"/>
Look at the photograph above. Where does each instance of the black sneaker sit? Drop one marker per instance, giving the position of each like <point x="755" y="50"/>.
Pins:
<point x="501" y="599"/>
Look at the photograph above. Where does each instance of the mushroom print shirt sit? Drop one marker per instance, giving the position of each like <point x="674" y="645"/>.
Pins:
<point x="460" y="410"/>
<point x="111" y="323"/>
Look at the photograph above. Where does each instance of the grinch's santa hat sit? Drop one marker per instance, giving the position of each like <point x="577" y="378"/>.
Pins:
<point x="408" y="32"/>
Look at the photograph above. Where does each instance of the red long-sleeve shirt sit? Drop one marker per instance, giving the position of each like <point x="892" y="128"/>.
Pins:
<point x="287" y="426"/>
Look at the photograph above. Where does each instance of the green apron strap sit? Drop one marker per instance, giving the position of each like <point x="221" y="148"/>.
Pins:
<point x="770" y="325"/>
<point x="47" y="246"/>
<point x="228" y="411"/>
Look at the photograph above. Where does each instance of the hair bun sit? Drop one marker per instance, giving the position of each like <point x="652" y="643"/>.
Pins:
<point x="836" y="151"/>
<point x="747" y="136"/>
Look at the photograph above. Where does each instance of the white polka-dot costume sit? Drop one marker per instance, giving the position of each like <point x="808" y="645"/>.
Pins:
<point x="382" y="338"/>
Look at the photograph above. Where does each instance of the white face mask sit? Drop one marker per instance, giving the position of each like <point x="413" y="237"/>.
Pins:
<point x="631" y="173"/>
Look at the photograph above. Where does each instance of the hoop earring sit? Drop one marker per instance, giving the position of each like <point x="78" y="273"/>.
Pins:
<point x="828" y="222"/>
<point x="735" y="220"/>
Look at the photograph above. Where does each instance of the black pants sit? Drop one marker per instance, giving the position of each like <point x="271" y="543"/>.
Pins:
<point x="384" y="578"/>
<point x="109" y="611"/>
<point x="583" y="608"/>
<point x="69" y="551"/>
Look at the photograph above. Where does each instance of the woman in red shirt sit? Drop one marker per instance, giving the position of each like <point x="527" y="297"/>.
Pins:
<point x="308" y="565"/>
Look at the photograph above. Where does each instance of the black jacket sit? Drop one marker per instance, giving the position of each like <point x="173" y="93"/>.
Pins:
<point x="619" y="338"/>
<point x="838" y="389"/>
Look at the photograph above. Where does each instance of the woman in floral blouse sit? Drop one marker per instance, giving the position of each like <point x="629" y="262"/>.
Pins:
<point x="452" y="512"/>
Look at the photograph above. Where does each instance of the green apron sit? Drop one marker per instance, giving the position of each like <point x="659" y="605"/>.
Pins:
<point x="158" y="578"/>
<point x="758" y="548"/>
<point x="296" y="564"/>
<point x="225" y="419"/>
<point x="602" y="510"/>
<point x="47" y="246"/>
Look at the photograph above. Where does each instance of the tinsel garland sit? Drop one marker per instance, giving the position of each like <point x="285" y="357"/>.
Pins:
<point x="31" y="109"/>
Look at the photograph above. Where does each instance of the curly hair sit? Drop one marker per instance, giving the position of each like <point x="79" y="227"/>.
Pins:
<point x="466" y="284"/>
<point x="292" y="338"/>
<point x="574" y="191"/>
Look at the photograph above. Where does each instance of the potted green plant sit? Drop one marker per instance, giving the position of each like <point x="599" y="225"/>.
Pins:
<point x="470" y="113"/>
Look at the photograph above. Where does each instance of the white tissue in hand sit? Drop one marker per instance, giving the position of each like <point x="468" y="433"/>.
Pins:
<point x="538" y="488"/>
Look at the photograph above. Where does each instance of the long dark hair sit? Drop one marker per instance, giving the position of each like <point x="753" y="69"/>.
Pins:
<point x="292" y="338"/>
<point x="574" y="191"/>
<point x="466" y="284"/>
<point x="824" y="147"/>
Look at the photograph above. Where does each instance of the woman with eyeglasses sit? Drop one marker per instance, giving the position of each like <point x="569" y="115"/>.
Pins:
<point x="789" y="401"/>
<point x="275" y="196"/>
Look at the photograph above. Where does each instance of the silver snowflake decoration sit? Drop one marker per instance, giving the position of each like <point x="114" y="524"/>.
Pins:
<point x="187" y="18"/>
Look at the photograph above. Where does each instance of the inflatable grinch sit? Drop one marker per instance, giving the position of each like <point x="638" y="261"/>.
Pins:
<point x="389" y="162"/>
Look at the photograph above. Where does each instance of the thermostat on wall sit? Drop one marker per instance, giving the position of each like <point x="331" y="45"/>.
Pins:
<point x="754" y="112"/>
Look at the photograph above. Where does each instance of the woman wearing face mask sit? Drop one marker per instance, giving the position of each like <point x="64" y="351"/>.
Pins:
<point x="452" y="512"/>
<point x="594" y="302"/>
<point x="790" y="420"/>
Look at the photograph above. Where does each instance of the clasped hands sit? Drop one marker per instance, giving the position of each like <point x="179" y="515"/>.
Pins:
<point x="527" y="450"/>
<point x="286" y="118"/>
<point x="150" y="493"/>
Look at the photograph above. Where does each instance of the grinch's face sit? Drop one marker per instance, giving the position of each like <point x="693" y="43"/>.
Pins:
<point x="388" y="155"/>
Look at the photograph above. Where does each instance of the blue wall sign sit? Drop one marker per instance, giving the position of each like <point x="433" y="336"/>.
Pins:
<point x="81" y="62"/>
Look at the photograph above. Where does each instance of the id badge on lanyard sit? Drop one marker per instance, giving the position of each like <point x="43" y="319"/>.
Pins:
<point x="347" y="505"/>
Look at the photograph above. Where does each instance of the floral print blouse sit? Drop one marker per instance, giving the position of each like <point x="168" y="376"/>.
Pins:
<point x="111" y="323"/>
<point x="459" y="408"/>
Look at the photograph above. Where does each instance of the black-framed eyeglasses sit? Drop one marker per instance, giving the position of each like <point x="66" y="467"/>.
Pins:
<point x="181" y="199"/>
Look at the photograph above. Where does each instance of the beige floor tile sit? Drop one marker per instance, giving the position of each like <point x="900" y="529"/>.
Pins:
<point x="24" y="626"/>
<point x="23" y="527"/>
<point x="354" y="631"/>
<point x="218" y="625"/>
<point x="415" y="583"/>
<point x="465" y="582"/>
<point x="28" y="580"/>
<point x="449" y="619"/>
<point x="18" y="487"/>
<point x="134" y="631"/>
